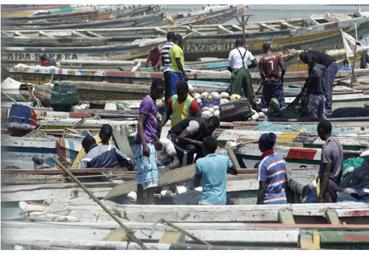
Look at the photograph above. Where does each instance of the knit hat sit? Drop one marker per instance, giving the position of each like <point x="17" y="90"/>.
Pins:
<point x="267" y="141"/>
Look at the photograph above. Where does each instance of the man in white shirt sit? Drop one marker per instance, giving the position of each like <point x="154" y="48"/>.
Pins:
<point x="239" y="61"/>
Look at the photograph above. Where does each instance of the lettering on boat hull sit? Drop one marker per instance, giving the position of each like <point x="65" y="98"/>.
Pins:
<point x="20" y="56"/>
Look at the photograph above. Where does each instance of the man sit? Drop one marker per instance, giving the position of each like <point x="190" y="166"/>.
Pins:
<point x="211" y="171"/>
<point x="165" y="59"/>
<point x="364" y="60"/>
<point x="239" y="60"/>
<point x="154" y="58"/>
<point x="103" y="156"/>
<point x="177" y="61"/>
<point x="188" y="136"/>
<point x="272" y="173"/>
<point x="315" y="57"/>
<point x="146" y="140"/>
<point x="106" y="131"/>
<point x="330" y="170"/>
<point x="272" y="70"/>
<point x="313" y="102"/>
<point x="181" y="106"/>
<point x="46" y="60"/>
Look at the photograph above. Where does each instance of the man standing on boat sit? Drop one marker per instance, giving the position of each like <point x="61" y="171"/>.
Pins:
<point x="165" y="59"/>
<point x="272" y="70"/>
<point x="106" y="131"/>
<point x="330" y="170"/>
<point x="211" y="172"/>
<point x="272" y="173"/>
<point x="188" y="137"/>
<point x="239" y="60"/>
<point x="146" y="141"/>
<point x="177" y="61"/>
<point x="316" y="57"/>
<point x="181" y="106"/>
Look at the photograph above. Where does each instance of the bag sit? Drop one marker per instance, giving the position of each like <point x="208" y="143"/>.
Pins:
<point x="235" y="110"/>
<point x="22" y="120"/>
<point x="64" y="96"/>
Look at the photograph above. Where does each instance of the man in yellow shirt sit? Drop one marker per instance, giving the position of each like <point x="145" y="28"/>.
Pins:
<point x="103" y="137"/>
<point x="181" y="106"/>
<point x="177" y="61"/>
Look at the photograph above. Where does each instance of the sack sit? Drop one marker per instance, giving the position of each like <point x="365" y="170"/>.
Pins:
<point x="235" y="110"/>
<point x="64" y="96"/>
<point x="22" y="120"/>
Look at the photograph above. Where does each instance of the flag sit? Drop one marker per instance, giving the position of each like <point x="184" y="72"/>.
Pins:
<point x="349" y="44"/>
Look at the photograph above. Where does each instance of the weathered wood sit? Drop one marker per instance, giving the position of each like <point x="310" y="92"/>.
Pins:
<point x="45" y="34"/>
<point x="181" y="174"/>
<point x="268" y="27"/>
<point x="309" y="239"/>
<point x="116" y="235"/>
<point x="285" y="216"/>
<point x="120" y="136"/>
<point x="284" y="23"/>
<point x="161" y="31"/>
<point x="172" y="237"/>
<point x="74" y="32"/>
<point x="221" y="27"/>
<point x="332" y="217"/>
<point x="233" y="158"/>
<point x="93" y="34"/>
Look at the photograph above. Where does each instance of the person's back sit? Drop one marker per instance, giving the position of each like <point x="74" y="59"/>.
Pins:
<point x="165" y="56"/>
<point x="213" y="170"/>
<point x="271" y="64"/>
<point x="318" y="57"/>
<point x="272" y="170"/>
<point x="332" y="153"/>
<point x="316" y="80"/>
<point x="194" y="124"/>
<point x="174" y="53"/>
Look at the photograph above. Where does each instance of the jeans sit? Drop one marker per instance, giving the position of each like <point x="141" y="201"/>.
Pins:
<point x="270" y="89"/>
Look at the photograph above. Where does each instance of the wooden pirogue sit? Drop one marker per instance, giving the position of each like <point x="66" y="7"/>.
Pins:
<point x="319" y="32"/>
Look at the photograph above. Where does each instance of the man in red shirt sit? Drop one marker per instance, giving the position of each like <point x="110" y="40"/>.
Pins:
<point x="272" y="70"/>
<point x="154" y="58"/>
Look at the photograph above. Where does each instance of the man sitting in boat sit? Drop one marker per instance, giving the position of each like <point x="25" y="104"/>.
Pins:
<point x="329" y="72"/>
<point x="313" y="101"/>
<point x="103" y="156"/>
<point x="106" y="131"/>
<point x="154" y="58"/>
<point x="239" y="60"/>
<point x="188" y="137"/>
<point x="46" y="60"/>
<point x="272" y="173"/>
<point x="177" y="61"/>
<point x="181" y="106"/>
<point x="272" y="70"/>
<point x="211" y="172"/>
<point x="330" y="170"/>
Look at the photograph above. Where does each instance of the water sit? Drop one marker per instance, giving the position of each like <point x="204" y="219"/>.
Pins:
<point x="272" y="12"/>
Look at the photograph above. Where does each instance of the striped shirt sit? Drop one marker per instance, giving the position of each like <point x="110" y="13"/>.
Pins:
<point x="165" y="55"/>
<point x="272" y="170"/>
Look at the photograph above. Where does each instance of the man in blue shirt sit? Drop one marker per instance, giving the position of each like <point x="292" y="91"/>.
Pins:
<point x="211" y="171"/>
<point x="272" y="173"/>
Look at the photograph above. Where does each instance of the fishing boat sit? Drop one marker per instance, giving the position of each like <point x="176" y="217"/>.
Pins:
<point x="217" y="40"/>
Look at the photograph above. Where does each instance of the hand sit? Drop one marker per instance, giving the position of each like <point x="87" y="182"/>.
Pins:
<point x="146" y="151"/>
<point x="158" y="145"/>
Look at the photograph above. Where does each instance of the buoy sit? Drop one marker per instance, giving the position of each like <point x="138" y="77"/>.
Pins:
<point x="235" y="97"/>
<point x="224" y="95"/>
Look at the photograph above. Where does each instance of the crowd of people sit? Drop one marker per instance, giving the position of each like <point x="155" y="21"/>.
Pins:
<point x="190" y="139"/>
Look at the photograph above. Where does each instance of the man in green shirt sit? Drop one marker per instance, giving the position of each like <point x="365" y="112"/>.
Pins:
<point x="177" y="61"/>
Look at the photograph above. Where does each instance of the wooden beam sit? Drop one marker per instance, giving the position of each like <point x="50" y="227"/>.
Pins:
<point x="237" y="27"/>
<point x="120" y="136"/>
<point x="285" y="216"/>
<point x="93" y="34"/>
<point x="74" y="32"/>
<point x="332" y="216"/>
<point x="221" y="27"/>
<point x="171" y="237"/>
<point x="284" y="23"/>
<point x="116" y="235"/>
<point x="190" y="29"/>
<point x="309" y="239"/>
<point x="40" y="32"/>
<point x="161" y="31"/>
<point x="268" y="27"/>
<point x="181" y="174"/>
<point x="17" y="33"/>
<point x="233" y="158"/>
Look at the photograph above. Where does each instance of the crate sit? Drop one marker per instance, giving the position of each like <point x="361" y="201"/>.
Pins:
<point x="235" y="110"/>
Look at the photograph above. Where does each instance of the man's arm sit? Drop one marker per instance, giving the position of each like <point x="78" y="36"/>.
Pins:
<point x="180" y="67"/>
<point x="197" y="180"/>
<point x="168" y="112"/>
<point x="195" y="109"/>
<point x="184" y="138"/>
<point x="261" y="192"/>
<point x="232" y="170"/>
<point x="326" y="168"/>
<point x="262" y="69"/>
<point x="283" y="67"/>
<point x="253" y="64"/>
<point x="124" y="160"/>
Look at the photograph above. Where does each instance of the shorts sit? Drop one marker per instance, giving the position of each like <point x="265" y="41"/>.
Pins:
<point x="147" y="170"/>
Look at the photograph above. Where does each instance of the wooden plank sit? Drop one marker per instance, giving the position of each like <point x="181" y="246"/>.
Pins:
<point x="268" y="27"/>
<point x="161" y="31"/>
<point x="74" y="32"/>
<point x="237" y="27"/>
<point x="116" y="235"/>
<point x="181" y="174"/>
<point x="284" y="23"/>
<point x="17" y="33"/>
<point x="221" y="27"/>
<point x="93" y="34"/>
<point x="285" y="216"/>
<point x="171" y="237"/>
<point x="309" y="239"/>
<point x="233" y="158"/>
<point x="332" y="216"/>
<point x="40" y="32"/>
<point x="190" y="29"/>
<point x="120" y="136"/>
<point x="344" y="237"/>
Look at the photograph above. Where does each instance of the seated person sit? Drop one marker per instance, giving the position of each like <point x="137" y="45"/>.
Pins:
<point x="181" y="106"/>
<point x="212" y="171"/>
<point x="103" y="156"/>
<point x="189" y="134"/>
<point x="103" y="137"/>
